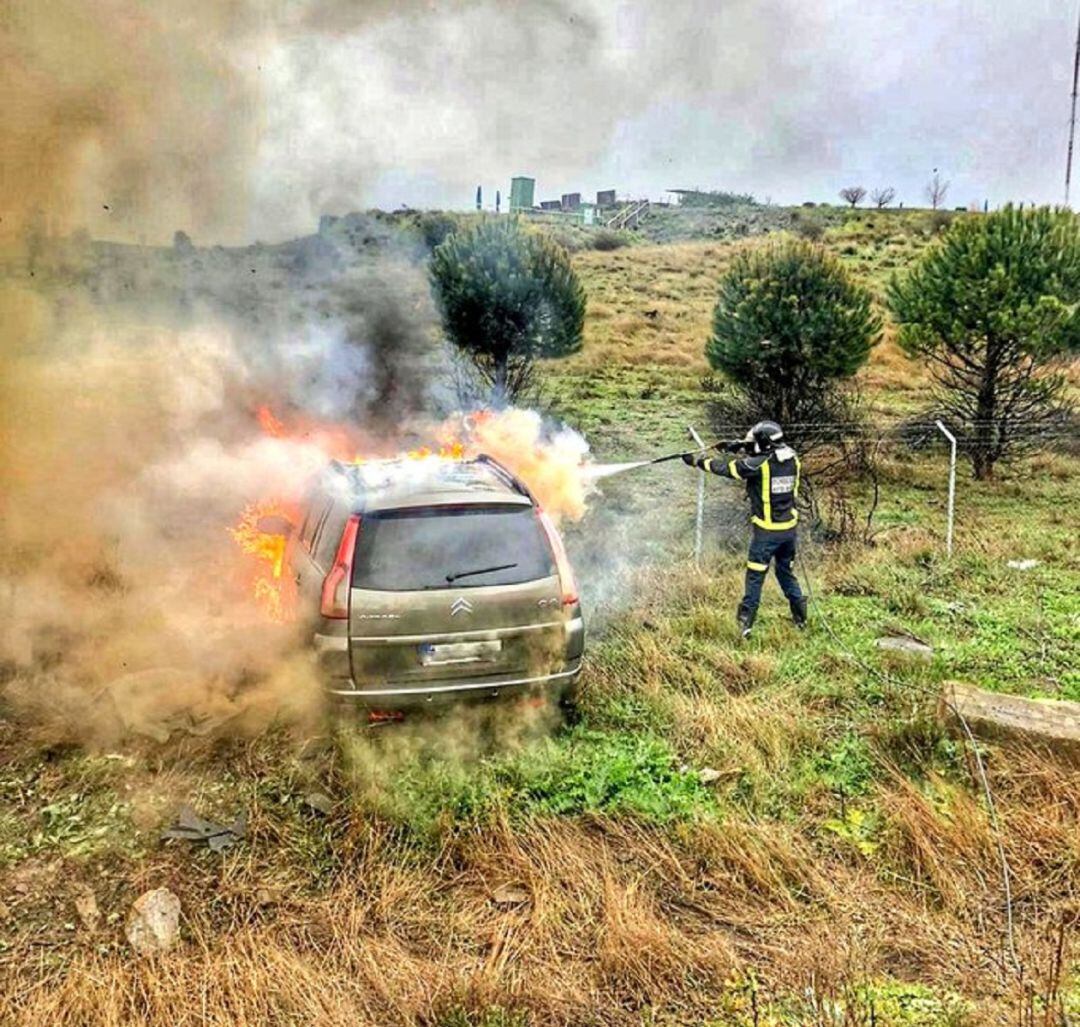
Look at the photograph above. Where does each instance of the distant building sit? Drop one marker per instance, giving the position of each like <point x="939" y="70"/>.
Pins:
<point x="522" y="193"/>
<point x="522" y="198"/>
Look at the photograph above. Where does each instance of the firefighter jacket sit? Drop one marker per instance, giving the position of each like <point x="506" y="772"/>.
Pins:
<point x="772" y="483"/>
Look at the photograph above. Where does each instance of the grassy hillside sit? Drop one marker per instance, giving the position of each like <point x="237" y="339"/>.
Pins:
<point x="778" y="832"/>
<point x="638" y="376"/>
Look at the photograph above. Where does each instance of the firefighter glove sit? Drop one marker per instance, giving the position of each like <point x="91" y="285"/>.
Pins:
<point x="690" y="459"/>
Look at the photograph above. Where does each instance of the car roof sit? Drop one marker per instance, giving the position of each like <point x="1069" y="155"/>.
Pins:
<point x="377" y="485"/>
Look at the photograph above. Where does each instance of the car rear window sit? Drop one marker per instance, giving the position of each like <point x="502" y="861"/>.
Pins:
<point x="409" y="550"/>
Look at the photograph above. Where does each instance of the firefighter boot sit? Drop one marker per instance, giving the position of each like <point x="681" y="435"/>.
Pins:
<point x="745" y="618"/>
<point x="798" y="612"/>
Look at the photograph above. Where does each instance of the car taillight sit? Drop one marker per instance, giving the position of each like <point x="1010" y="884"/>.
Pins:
<point x="562" y="564"/>
<point x="336" y="584"/>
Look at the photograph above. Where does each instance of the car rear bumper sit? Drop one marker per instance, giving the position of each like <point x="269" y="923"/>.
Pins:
<point x="333" y="660"/>
<point x="392" y="697"/>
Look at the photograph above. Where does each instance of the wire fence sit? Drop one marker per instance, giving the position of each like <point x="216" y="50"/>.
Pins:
<point x="857" y="489"/>
<point x="1031" y="429"/>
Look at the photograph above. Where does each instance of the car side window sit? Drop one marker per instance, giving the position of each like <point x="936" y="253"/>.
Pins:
<point x="330" y="534"/>
<point x="315" y="507"/>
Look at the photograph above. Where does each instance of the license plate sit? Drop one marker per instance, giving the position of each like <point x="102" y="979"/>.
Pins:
<point x="460" y="652"/>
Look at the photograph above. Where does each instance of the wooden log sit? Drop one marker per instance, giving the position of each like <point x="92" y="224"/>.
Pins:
<point x="1052" y="722"/>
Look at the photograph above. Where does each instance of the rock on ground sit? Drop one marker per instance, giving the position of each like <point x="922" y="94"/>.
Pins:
<point x="907" y="646"/>
<point x="153" y="925"/>
<point x="1051" y="722"/>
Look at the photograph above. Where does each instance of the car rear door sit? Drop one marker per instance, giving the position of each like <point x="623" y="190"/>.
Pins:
<point x="446" y="594"/>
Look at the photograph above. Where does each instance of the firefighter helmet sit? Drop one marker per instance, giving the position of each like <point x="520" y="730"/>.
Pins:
<point x="765" y="436"/>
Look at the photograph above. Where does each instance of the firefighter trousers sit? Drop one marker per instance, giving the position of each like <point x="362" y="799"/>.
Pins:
<point x="765" y="547"/>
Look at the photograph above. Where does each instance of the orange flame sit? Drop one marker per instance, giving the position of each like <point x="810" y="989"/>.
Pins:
<point x="552" y="469"/>
<point x="268" y="585"/>
<point x="269" y="423"/>
<point x="448" y="451"/>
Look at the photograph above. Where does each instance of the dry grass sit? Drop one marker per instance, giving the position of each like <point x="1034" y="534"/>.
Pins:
<point x="615" y="919"/>
<point x="351" y="920"/>
<point x="652" y="305"/>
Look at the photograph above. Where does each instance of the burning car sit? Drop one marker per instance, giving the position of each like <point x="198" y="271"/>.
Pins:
<point x="433" y="580"/>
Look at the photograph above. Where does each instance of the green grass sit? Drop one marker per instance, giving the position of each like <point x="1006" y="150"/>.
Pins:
<point x="71" y="808"/>
<point x="885" y="1002"/>
<point x="628" y="413"/>
<point x="408" y="779"/>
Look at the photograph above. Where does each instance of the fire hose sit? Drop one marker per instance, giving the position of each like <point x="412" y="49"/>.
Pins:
<point x="720" y="444"/>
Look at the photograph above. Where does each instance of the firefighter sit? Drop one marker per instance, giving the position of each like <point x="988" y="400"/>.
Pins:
<point x="770" y="470"/>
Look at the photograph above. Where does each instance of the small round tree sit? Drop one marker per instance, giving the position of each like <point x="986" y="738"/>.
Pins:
<point x="990" y="310"/>
<point x="790" y="328"/>
<point x="507" y="297"/>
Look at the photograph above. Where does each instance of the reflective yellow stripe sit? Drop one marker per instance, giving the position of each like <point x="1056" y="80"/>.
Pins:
<point x="706" y="465"/>
<point x="776" y="525"/>
<point x="798" y="472"/>
<point x="733" y="470"/>
<point x="757" y="566"/>
<point x="766" y="492"/>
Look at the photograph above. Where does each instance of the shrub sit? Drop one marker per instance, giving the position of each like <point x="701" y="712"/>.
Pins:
<point x="992" y="309"/>
<point x="436" y="227"/>
<point x="507" y="297"/>
<point x="714" y="198"/>
<point x="570" y="238"/>
<point x="939" y="220"/>
<point x="790" y="328"/>
<point x="607" y="239"/>
<point x="809" y="228"/>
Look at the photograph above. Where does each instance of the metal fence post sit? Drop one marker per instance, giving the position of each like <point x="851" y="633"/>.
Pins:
<point x="952" y="485"/>
<point x="700" y="500"/>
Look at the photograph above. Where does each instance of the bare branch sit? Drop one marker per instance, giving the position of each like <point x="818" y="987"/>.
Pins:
<point x="936" y="189"/>
<point x="883" y="197"/>
<point x="853" y="194"/>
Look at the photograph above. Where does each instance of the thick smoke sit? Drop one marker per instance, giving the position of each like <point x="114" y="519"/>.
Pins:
<point x="124" y="466"/>
<point x="132" y="378"/>
<point x="127" y="119"/>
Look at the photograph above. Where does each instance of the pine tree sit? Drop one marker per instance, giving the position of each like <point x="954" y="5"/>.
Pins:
<point x="790" y="327"/>
<point x="992" y="309"/>
<point x="508" y="296"/>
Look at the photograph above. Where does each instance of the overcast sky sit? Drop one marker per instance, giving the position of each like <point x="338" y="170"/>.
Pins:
<point x="247" y="119"/>
<point x="787" y="99"/>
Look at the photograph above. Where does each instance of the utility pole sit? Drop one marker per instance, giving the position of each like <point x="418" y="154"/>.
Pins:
<point x="1072" y="116"/>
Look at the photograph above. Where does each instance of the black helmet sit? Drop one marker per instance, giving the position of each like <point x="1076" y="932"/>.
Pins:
<point x="765" y="436"/>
